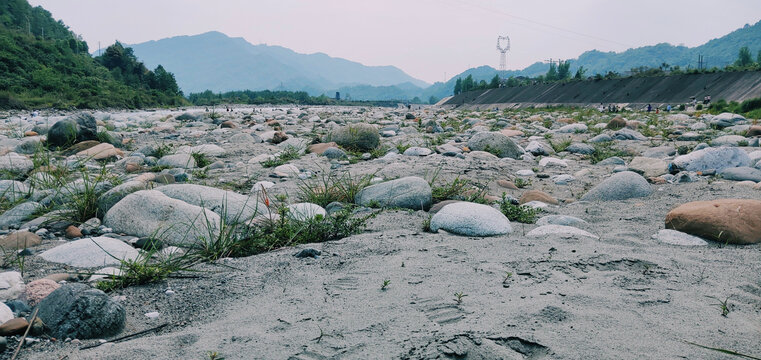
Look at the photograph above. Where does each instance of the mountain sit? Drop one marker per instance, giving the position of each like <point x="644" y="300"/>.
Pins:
<point x="718" y="52"/>
<point x="217" y="62"/>
<point x="44" y="64"/>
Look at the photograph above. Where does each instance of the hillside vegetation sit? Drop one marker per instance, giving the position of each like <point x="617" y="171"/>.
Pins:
<point x="44" y="64"/>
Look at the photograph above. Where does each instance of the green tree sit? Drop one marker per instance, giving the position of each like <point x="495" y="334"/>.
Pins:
<point x="458" y="86"/>
<point x="758" y="58"/>
<point x="552" y="73"/>
<point x="494" y="82"/>
<point x="580" y="72"/>
<point x="468" y="84"/>
<point x="432" y="100"/>
<point x="564" y="70"/>
<point x="743" y="57"/>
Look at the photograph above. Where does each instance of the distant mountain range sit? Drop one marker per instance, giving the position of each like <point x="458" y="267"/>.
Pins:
<point x="214" y="61"/>
<point x="217" y="62"/>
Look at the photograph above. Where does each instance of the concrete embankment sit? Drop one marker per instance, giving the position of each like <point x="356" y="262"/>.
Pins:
<point x="674" y="90"/>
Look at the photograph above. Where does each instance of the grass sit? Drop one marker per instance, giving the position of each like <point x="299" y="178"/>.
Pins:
<point x="520" y="213"/>
<point x="458" y="297"/>
<point x="145" y="270"/>
<point x="605" y="150"/>
<point x="288" y="154"/>
<point x="561" y="145"/>
<point x="161" y="150"/>
<point x="724" y="305"/>
<point x="332" y="187"/>
<point x="457" y="189"/>
<point x="82" y="203"/>
<point x="201" y="159"/>
<point x="385" y="284"/>
<point x="521" y="183"/>
<point x="725" y="351"/>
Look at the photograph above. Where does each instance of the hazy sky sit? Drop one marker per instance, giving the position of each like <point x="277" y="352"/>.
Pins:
<point x="428" y="39"/>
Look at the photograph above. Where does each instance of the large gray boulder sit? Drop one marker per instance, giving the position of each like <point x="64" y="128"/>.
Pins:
<point x="621" y="186"/>
<point x="79" y="127"/>
<point x="78" y="311"/>
<point x="360" y="137"/>
<point x="232" y="206"/>
<point x="743" y="173"/>
<point x="184" y="161"/>
<point x="726" y="120"/>
<point x="13" y="190"/>
<point x="150" y="213"/>
<point x="712" y="158"/>
<point x="113" y="196"/>
<point x="91" y="252"/>
<point x="471" y="219"/>
<point x="495" y="143"/>
<point x="408" y="192"/>
<point x="18" y="214"/>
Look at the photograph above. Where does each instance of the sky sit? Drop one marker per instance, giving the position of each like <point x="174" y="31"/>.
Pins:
<point x="431" y="40"/>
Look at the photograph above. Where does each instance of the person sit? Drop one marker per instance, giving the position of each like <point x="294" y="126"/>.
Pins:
<point x="668" y="108"/>
<point x="649" y="108"/>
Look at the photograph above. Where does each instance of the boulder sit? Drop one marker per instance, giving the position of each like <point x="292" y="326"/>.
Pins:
<point x="20" y="240"/>
<point x="628" y="134"/>
<point x="743" y="173"/>
<point x="537" y="195"/>
<point x="726" y="120"/>
<point x="113" y="196"/>
<point x="495" y="143"/>
<point x="734" y="221"/>
<point x="39" y="289"/>
<point x="79" y="127"/>
<point x="91" y="252"/>
<point x="359" y="137"/>
<point x="620" y="186"/>
<point x="101" y="151"/>
<point x="78" y="311"/>
<point x="233" y="206"/>
<point x="471" y="219"/>
<point x="11" y="285"/>
<point x="616" y="123"/>
<point x="15" y="163"/>
<point x="580" y="148"/>
<point x="712" y="159"/>
<point x="649" y="166"/>
<point x="184" y="161"/>
<point x="18" y="214"/>
<point x="150" y="213"/>
<point x="408" y="192"/>
<point x="564" y="220"/>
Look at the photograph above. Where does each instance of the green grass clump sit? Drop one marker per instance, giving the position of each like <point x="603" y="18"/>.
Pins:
<point x="520" y="213"/>
<point x="288" y="154"/>
<point x="605" y="150"/>
<point x="146" y="269"/>
<point x="333" y="187"/>
<point x="521" y="183"/>
<point x="201" y="159"/>
<point x="560" y="146"/>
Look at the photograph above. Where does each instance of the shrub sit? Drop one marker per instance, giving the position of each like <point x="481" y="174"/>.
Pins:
<point x="520" y="213"/>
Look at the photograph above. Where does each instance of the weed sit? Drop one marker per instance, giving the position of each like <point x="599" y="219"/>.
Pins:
<point x="332" y="187"/>
<point x="385" y="284"/>
<point x="162" y="150"/>
<point x="560" y="146"/>
<point x="522" y="183"/>
<point x="82" y="196"/>
<point x="427" y="224"/>
<point x="605" y="150"/>
<point x="201" y="159"/>
<point x="143" y="270"/>
<point x="450" y="190"/>
<point x="213" y="355"/>
<point x="724" y="305"/>
<point x="288" y="154"/>
<point x="494" y="151"/>
<point x="520" y="213"/>
<point x="402" y="147"/>
<point x="725" y="351"/>
<point x="458" y="296"/>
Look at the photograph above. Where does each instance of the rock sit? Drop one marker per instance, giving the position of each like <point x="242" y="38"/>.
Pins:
<point x="184" y="161"/>
<point x="417" y="151"/>
<point x="754" y="130"/>
<point x="616" y="123"/>
<point x="15" y="163"/>
<point x="628" y="134"/>
<point x="12" y="190"/>
<point x="205" y="149"/>
<point x="580" y="148"/>
<point x="20" y="240"/>
<point x="659" y="152"/>
<point x="73" y="232"/>
<point x="674" y="237"/>
<point x="601" y="138"/>
<point x="562" y="231"/>
<point x="357" y="137"/>
<point x="227" y="125"/>
<point x="471" y="219"/>
<point x="151" y="213"/>
<point x="650" y="167"/>
<point x="279" y="137"/>
<point x="536" y="148"/>
<point x="729" y="140"/>
<point x="6" y="313"/>
<point x="101" y="152"/>
<point x="11" y="285"/>
<point x="564" y="220"/>
<point x="18" y="214"/>
<point x="78" y="311"/>
<point x="334" y="153"/>
<point x="734" y="221"/>
<point x="80" y="146"/>
<point x="562" y="179"/>
<point x="537" y="195"/>
<point x="572" y="128"/>
<point x="79" y="127"/>
<point x="15" y="326"/>
<point x="233" y="206"/>
<point x="552" y="162"/>
<point x="725" y="120"/>
<point x="91" y="252"/>
<point x="305" y="253"/>
<point x="712" y="159"/>
<point x="243" y="138"/>
<point x="164" y="178"/>
<point x="39" y="289"/>
<point x="496" y="143"/>
<point x="743" y="173"/>
<point x="321" y="147"/>
<point x="507" y="184"/>
<point x="305" y="211"/>
<point x="621" y="186"/>
<point x="408" y="192"/>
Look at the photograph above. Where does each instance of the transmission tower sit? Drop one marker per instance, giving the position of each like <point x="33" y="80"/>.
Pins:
<point x="503" y="46"/>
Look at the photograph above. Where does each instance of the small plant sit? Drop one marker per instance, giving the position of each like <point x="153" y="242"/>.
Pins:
<point x="144" y="270"/>
<point x="494" y="151"/>
<point x="385" y="284"/>
<point x="427" y="224"/>
<point x="724" y="305"/>
<point x="201" y="159"/>
<point x="213" y="355"/>
<point x="742" y="143"/>
<point x="605" y="150"/>
<point x="458" y="296"/>
<point x="162" y="150"/>
<point x="522" y="183"/>
<point x="288" y="154"/>
<point x="560" y="146"/>
<point x="520" y="213"/>
<point x="333" y="187"/>
<point x="402" y="147"/>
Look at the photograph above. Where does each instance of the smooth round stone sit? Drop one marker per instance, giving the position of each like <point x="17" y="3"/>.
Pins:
<point x="562" y="179"/>
<point x="564" y="220"/>
<point x="91" y="252"/>
<point x="471" y="219"/>
<point x="525" y="172"/>
<point x="552" y="162"/>
<point x="417" y="151"/>
<point x="305" y="211"/>
<point x="674" y="237"/>
<point x="621" y="186"/>
<point x="562" y="231"/>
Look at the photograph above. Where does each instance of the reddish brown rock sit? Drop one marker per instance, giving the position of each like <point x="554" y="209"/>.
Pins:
<point x="507" y="184"/>
<point x="511" y="132"/>
<point x="164" y="179"/>
<point x="733" y="221"/>
<point x="537" y="195"/>
<point x="73" y="232"/>
<point x="20" y="240"/>
<point x="80" y="146"/>
<point x="321" y="147"/>
<point x="30" y="133"/>
<point x="58" y="277"/>
<point x="227" y="125"/>
<point x="101" y="151"/>
<point x="616" y="123"/>
<point x="567" y="120"/>
<point x="132" y="167"/>
<point x="279" y="137"/>
<point x="754" y="130"/>
<point x="15" y="326"/>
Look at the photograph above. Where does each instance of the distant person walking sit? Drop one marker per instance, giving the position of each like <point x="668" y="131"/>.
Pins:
<point x="668" y="108"/>
<point x="649" y="108"/>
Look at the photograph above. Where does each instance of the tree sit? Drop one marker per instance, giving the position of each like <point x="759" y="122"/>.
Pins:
<point x="580" y="73"/>
<point x="758" y="58"/>
<point x="494" y="82"/>
<point x="468" y="84"/>
<point x="743" y="57"/>
<point x="458" y="86"/>
<point x="564" y="70"/>
<point x="432" y="100"/>
<point x="552" y="73"/>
